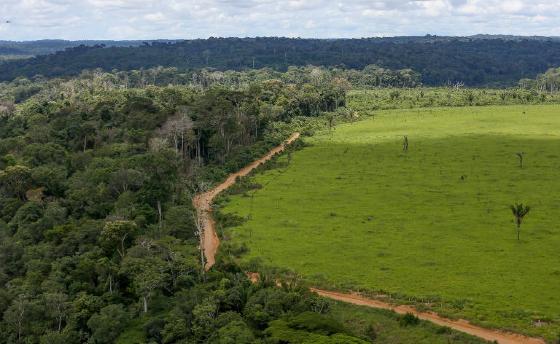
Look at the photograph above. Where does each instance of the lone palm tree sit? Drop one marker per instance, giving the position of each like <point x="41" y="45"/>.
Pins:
<point x="519" y="211"/>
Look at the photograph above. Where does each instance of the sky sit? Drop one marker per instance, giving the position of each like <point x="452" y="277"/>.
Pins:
<point x="187" y="19"/>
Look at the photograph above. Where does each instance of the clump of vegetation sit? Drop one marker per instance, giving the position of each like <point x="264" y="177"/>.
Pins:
<point x="408" y="319"/>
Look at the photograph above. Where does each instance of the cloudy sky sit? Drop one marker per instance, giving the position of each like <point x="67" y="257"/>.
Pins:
<point x="151" y="19"/>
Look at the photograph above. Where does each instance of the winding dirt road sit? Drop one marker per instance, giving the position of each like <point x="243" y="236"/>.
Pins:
<point x="203" y="205"/>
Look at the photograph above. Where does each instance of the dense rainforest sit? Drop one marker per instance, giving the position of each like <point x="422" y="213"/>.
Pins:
<point x="472" y="61"/>
<point x="49" y="46"/>
<point x="97" y="234"/>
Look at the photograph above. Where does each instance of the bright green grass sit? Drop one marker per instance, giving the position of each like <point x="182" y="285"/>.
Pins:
<point x="354" y="210"/>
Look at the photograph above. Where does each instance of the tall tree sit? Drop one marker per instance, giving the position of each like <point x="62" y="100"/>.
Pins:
<point x="116" y="234"/>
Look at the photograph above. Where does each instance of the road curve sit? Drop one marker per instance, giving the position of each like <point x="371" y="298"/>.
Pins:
<point x="460" y="325"/>
<point x="203" y="205"/>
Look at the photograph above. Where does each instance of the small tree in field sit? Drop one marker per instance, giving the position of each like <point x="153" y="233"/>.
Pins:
<point x="519" y="211"/>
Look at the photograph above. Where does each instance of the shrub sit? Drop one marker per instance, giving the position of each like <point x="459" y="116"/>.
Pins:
<point x="371" y="332"/>
<point x="408" y="319"/>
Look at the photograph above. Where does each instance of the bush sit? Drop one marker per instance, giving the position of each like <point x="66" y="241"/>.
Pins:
<point x="408" y="319"/>
<point x="371" y="332"/>
<point x="317" y="323"/>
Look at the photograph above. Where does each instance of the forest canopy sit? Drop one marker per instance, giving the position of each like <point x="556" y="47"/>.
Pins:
<point x="475" y="62"/>
<point x="97" y="230"/>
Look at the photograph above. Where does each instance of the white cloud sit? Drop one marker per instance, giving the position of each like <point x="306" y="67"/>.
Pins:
<point x="155" y="17"/>
<point x="147" y="19"/>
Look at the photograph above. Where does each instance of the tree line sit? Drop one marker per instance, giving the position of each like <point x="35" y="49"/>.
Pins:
<point x="546" y="82"/>
<point x="371" y="76"/>
<point x="474" y="61"/>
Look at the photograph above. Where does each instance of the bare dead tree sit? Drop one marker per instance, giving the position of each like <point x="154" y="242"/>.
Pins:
<point x="179" y="130"/>
<point x="198" y="219"/>
<point x="405" y="143"/>
<point x="199" y="223"/>
<point x="520" y="157"/>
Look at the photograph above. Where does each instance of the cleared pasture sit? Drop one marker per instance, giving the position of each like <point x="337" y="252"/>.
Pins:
<point x="431" y="225"/>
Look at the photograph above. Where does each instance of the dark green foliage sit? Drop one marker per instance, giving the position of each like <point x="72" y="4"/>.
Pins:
<point x="408" y="319"/>
<point x="371" y="332"/>
<point x="280" y="331"/>
<point x="97" y="230"/>
<point x="313" y="322"/>
<point x="179" y="222"/>
<point x="106" y="325"/>
<point x="491" y="61"/>
<point x="235" y="332"/>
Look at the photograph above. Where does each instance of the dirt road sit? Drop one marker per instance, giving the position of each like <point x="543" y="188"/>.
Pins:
<point x="203" y="202"/>
<point x="459" y="325"/>
<point x="203" y="205"/>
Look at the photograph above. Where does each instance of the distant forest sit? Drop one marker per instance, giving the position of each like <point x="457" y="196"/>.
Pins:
<point x="473" y="61"/>
<point x="50" y="46"/>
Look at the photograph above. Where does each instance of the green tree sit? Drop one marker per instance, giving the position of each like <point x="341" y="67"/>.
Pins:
<point x="115" y="234"/>
<point x="150" y="278"/>
<point x="175" y="328"/>
<point x="17" y="319"/>
<point x="236" y="332"/>
<point x="204" y="322"/>
<point x="178" y="222"/>
<point x="58" y="306"/>
<point x="106" y="270"/>
<point x="148" y="271"/>
<point x="51" y="177"/>
<point x="108" y="324"/>
<point x="16" y="180"/>
<point x="519" y="211"/>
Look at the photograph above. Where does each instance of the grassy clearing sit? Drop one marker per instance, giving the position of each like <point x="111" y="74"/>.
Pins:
<point x="431" y="225"/>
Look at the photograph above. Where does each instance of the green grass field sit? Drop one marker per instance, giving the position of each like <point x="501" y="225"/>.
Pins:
<point x="354" y="210"/>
